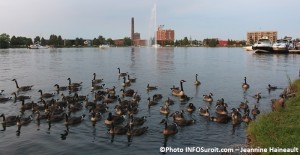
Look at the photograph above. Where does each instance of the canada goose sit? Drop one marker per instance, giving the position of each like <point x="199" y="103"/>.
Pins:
<point x="151" y="103"/>
<point x="96" y="116"/>
<point x="170" y="129"/>
<point x="204" y="112"/>
<point x="102" y="108"/>
<point x="120" y="110"/>
<point x="270" y="87"/>
<point x="45" y="95"/>
<point x="185" y="98"/>
<point x="197" y="82"/>
<point x="136" y="121"/>
<point x="23" y="121"/>
<point x="116" y="119"/>
<point x="246" y="118"/>
<point x="27" y="106"/>
<point x="236" y="117"/>
<point x="190" y="108"/>
<point x="221" y="109"/>
<point x="90" y="104"/>
<point x="151" y="87"/>
<point x="95" y="81"/>
<point x="208" y="98"/>
<point x="73" y="120"/>
<point x="121" y="74"/>
<point x="157" y="97"/>
<point x="136" y="97"/>
<point x="74" y="107"/>
<point x="125" y="83"/>
<point x="136" y="131"/>
<point x="220" y="119"/>
<point x="177" y="116"/>
<point x="79" y="97"/>
<point x="74" y="84"/>
<point x="132" y="109"/>
<point x="255" y="111"/>
<point x="97" y="87"/>
<point x="111" y="90"/>
<point x="257" y="96"/>
<point x="23" y="88"/>
<point x="185" y="122"/>
<point x="56" y="118"/>
<point x="169" y="101"/>
<point x="110" y="98"/>
<point x="245" y="85"/>
<point x="131" y="79"/>
<point x="278" y="103"/>
<point x="127" y="93"/>
<point x="5" y="99"/>
<point x="118" y="130"/>
<point x="1" y="92"/>
<point x="20" y="97"/>
<point x="177" y="92"/>
<point x="164" y="109"/>
<point x="60" y="88"/>
<point x="9" y="120"/>
<point x="244" y="105"/>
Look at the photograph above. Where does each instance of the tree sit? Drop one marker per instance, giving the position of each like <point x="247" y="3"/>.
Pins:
<point x="4" y="40"/>
<point x="37" y="39"/>
<point x="101" y="40"/>
<point x="185" y="41"/>
<point x="127" y="41"/>
<point x="60" y="41"/>
<point x="43" y="41"/>
<point x="53" y="40"/>
<point x="96" y="42"/>
<point x="13" y="41"/>
<point x="110" y="41"/>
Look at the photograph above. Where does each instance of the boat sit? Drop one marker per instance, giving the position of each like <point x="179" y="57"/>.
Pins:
<point x="297" y="47"/>
<point x="264" y="44"/>
<point x="282" y="46"/>
<point x="156" y="46"/>
<point x="37" y="46"/>
<point x="248" y="48"/>
<point x="104" y="46"/>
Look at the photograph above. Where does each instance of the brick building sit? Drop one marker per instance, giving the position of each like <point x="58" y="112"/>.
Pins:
<point x="164" y="36"/>
<point x="252" y="37"/>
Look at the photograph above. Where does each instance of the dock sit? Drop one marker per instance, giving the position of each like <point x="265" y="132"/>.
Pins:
<point x="294" y="51"/>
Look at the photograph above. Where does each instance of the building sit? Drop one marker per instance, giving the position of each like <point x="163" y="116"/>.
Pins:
<point x="136" y="36"/>
<point x="253" y="37"/>
<point x="164" y="36"/>
<point x="223" y="43"/>
<point x="119" y="42"/>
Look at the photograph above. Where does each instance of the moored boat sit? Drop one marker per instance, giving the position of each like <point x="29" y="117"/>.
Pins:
<point x="263" y="44"/>
<point x="37" y="46"/>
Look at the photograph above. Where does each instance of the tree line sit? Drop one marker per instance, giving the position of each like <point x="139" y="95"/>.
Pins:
<point x="56" y="41"/>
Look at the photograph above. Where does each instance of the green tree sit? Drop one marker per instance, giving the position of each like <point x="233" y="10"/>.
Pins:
<point x="101" y="40"/>
<point x="185" y="41"/>
<point x="43" y="41"/>
<point x="53" y="40"/>
<point x="13" y="41"/>
<point x="110" y="41"/>
<point x="96" y="42"/>
<point x="127" y="41"/>
<point x="60" y="41"/>
<point x="37" y="39"/>
<point x="68" y="43"/>
<point x="4" y="40"/>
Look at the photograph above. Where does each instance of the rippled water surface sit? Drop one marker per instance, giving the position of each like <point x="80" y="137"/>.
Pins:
<point x="221" y="71"/>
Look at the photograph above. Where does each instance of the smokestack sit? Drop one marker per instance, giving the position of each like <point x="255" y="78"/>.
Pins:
<point x="132" y="29"/>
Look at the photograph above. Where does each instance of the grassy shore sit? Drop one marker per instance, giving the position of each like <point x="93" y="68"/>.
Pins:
<point x="280" y="128"/>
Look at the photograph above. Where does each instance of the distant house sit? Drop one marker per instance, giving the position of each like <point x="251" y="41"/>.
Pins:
<point x="223" y="43"/>
<point x="119" y="42"/>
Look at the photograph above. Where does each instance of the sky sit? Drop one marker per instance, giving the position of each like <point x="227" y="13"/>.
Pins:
<point x="196" y="19"/>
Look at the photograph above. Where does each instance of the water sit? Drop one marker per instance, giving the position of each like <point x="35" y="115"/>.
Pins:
<point x="221" y="71"/>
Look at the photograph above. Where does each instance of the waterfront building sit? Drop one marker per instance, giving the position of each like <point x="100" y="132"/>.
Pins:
<point x="253" y="37"/>
<point x="164" y="35"/>
<point x="119" y="42"/>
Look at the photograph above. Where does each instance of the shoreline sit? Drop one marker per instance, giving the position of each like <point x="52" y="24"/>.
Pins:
<point x="279" y="128"/>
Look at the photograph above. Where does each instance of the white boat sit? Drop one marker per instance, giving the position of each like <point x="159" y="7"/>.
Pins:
<point x="248" y="48"/>
<point x="263" y="44"/>
<point x="156" y="46"/>
<point x="37" y="46"/>
<point x="282" y="45"/>
<point x="104" y="46"/>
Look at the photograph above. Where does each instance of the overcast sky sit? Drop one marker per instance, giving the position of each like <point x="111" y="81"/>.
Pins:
<point x="197" y="19"/>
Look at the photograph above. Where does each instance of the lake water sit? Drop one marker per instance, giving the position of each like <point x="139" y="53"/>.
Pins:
<point x="221" y="71"/>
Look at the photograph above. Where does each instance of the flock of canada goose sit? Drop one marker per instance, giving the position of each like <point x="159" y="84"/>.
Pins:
<point x="122" y="119"/>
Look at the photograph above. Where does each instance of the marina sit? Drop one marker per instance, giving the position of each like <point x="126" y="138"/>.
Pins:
<point x="161" y="68"/>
